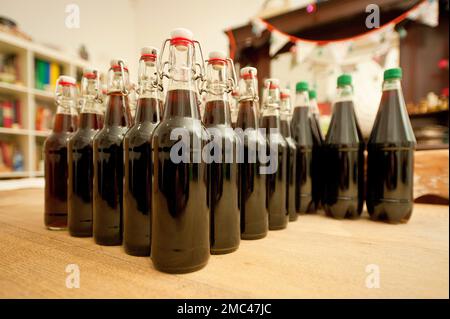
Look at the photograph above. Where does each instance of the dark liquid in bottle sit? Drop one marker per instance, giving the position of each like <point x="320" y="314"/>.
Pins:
<point x="290" y="166"/>
<point x="302" y="134"/>
<point x="317" y="158"/>
<point x="180" y="215"/>
<point x="344" y="169"/>
<point x="56" y="172"/>
<point x="223" y="189"/>
<point x="391" y="162"/>
<point x="81" y="172"/>
<point x="138" y="178"/>
<point x="276" y="182"/>
<point x="252" y="184"/>
<point x="108" y="172"/>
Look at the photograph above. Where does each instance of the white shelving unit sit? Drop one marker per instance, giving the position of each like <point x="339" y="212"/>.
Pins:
<point x="27" y="137"/>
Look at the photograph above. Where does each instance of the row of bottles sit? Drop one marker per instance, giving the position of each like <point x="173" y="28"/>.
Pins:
<point x="147" y="183"/>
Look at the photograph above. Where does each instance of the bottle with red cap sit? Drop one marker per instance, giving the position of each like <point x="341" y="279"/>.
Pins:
<point x="223" y="190"/>
<point x="252" y="184"/>
<point x="285" y="129"/>
<point x="108" y="159"/>
<point x="302" y="133"/>
<point x="137" y="152"/>
<point x="55" y="149"/>
<point x="234" y="106"/>
<point x="390" y="160"/>
<point x="80" y="156"/>
<point x="276" y="182"/>
<point x="344" y="153"/>
<point x="180" y="216"/>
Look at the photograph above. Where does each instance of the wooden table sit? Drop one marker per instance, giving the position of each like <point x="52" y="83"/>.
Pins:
<point x="314" y="257"/>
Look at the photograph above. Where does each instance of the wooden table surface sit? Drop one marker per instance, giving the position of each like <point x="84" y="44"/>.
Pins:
<point x="314" y="257"/>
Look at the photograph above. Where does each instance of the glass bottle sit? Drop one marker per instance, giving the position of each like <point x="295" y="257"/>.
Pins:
<point x="180" y="215"/>
<point x="55" y="150"/>
<point x="390" y="167"/>
<point x="317" y="164"/>
<point x="276" y="182"/>
<point x="302" y="133"/>
<point x="137" y="152"/>
<point x="252" y="184"/>
<point x="108" y="159"/>
<point x="80" y="156"/>
<point x="223" y="188"/>
<point x="285" y="129"/>
<point x="344" y="154"/>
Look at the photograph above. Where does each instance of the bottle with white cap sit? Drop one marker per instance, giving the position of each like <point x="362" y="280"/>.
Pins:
<point x="223" y="190"/>
<point x="137" y="152"/>
<point x="234" y="106"/>
<point x="81" y="170"/>
<point x="276" y="181"/>
<point x="285" y="129"/>
<point x="302" y="133"/>
<point x="55" y="150"/>
<point x="180" y="214"/>
<point x="252" y="184"/>
<point x="108" y="159"/>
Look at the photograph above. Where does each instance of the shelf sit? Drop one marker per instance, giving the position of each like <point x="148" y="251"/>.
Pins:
<point x="436" y="114"/>
<point x="14" y="174"/>
<point x="45" y="95"/>
<point x="41" y="133"/>
<point x="14" y="131"/>
<point x="12" y="88"/>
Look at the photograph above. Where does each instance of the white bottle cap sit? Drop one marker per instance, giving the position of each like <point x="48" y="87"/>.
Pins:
<point x="249" y="72"/>
<point x="67" y="79"/>
<point x="272" y="82"/>
<point x="217" y="55"/>
<point x="182" y="33"/>
<point x="149" y="50"/>
<point x="285" y="93"/>
<point x="90" y="71"/>
<point x="115" y="62"/>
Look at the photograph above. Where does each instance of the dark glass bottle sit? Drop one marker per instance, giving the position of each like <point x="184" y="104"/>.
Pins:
<point x="344" y="154"/>
<point x="276" y="182"/>
<point x="80" y="154"/>
<point x="390" y="167"/>
<point x="223" y="187"/>
<point x="317" y="157"/>
<point x="180" y="215"/>
<point x="137" y="192"/>
<point x="108" y="160"/>
<point x="285" y="129"/>
<point x="55" y="150"/>
<point x="301" y="131"/>
<point x="234" y="107"/>
<point x="252" y="184"/>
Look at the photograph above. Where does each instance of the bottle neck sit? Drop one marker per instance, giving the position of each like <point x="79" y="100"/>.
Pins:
<point x="392" y="84"/>
<point x="117" y="110"/>
<point x="344" y="93"/>
<point x="181" y="71"/>
<point x="302" y="99"/>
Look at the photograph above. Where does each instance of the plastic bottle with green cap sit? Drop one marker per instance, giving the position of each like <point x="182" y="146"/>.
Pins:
<point x="285" y="124"/>
<point x="276" y="180"/>
<point x="317" y="154"/>
<point x="390" y="166"/>
<point x="301" y="131"/>
<point x="343" y="151"/>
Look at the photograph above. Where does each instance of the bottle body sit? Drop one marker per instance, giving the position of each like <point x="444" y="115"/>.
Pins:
<point x="180" y="215"/>
<point x="138" y="178"/>
<point x="302" y="134"/>
<point x="344" y="170"/>
<point x="56" y="172"/>
<point x="109" y="171"/>
<point x="276" y="182"/>
<point x="81" y="172"/>
<point x="290" y="169"/>
<point x="317" y="161"/>
<point x="390" y="175"/>
<point x="252" y="184"/>
<point x="223" y="187"/>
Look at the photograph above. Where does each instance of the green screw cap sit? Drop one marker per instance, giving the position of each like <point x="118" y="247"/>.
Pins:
<point x="301" y="86"/>
<point x="312" y="94"/>
<point x="394" y="73"/>
<point x="344" y="79"/>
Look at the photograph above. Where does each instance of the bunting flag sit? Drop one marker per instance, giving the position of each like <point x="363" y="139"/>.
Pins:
<point x="258" y="27"/>
<point x="339" y="50"/>
<point x="277" y="41"/>
<point x="303" y="50"/>
<point x="427" y="13"/>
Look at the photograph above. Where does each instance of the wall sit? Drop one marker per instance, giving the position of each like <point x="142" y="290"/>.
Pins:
<point x="107" y="28"/>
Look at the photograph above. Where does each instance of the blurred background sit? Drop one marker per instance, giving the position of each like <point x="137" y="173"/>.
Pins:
<point x="291" y="40"/>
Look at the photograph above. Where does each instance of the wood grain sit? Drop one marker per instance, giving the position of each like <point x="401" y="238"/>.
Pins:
<point x="314" y="257"/>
